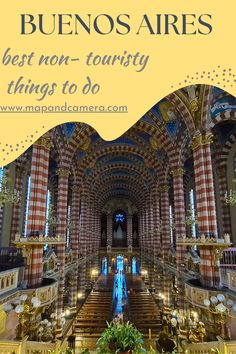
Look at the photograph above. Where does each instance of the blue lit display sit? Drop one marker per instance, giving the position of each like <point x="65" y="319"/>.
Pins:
<point x="120" y="217"/>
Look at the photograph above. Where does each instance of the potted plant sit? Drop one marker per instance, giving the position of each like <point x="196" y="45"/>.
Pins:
<point x="120" y="338"/>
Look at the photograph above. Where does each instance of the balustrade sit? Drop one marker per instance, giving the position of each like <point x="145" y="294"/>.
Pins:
<point x="9" y="280"/>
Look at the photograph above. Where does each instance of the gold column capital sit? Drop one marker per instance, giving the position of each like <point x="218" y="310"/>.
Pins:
<point x="177" y="172"/>
<point x="164" y="188"/>
<point x="75" y="188"/>
<point x="196" y="141"/>
<point x="45" y="142"/>
<point x="208" y="138"/>
<point x="199" y="140"/>
<point x="63" y="172"/>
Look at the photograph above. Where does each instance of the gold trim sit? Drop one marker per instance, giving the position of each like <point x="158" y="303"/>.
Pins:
<point x="63" y="172"/>
<point x="208" y="139"/>
<point x="178" y="172"/>
<point x="85" y="145"/>
<point x="45" y="142"/>
<point x="200" y="139"/>
<point x="75" y="188"/>
<point x="164" y="188"/>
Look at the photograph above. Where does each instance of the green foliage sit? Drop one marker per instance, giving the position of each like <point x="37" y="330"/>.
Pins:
<point x="67" y="351"/>
<point x="86" y="351"/>
<point x="152" y="351"/>
<point x="120" y="337"/>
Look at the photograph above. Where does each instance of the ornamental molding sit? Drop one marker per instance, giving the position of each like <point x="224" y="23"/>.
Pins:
<point x="177" y="172"/>
<point x="164" y="188"/>
<point x="62" y="172"/>
<point x="75" y="188"/>
<point x="199" y="140"/>
<point x="44" y="142"/>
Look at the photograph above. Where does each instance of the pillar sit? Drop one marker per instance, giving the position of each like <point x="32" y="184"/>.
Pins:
<point x="225" y="208"/>
<point x="156" y="224"/>
<point x="83" y="238"/>
<point x="75" y="206"/>
<point x="165" y="220"/>
<point x="179" y="207"/>
<point x="204" y="185"/>
<point x="62" y="201"/>
<point x="150" y="225"/>
<point x="206" y="208"/>
<point x="146" y="227"/>
<point x="140" y="228"/>
<point x="109" y="229"/>
<point x="37" y="208"/>
<point x="130" y="230"/>
<point x="16" y="209"/>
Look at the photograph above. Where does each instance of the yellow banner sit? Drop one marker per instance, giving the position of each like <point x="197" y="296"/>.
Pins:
<point x="105" y="63"/>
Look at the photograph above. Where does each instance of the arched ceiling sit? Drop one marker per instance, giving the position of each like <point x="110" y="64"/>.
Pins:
<point x="133" y="165"/>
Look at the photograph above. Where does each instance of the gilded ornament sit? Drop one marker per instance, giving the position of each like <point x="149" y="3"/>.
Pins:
<point x="177" y="172"/>
<point x="208" y="139"/>
<point x="86" y="144"/>
<point x="194" y="106"/>
<point x="164" y="188"/>
<point x="196" y="141"/>
<point x="155" y="144"/>
<point x="62" y="172"/>
<point x="44" y="141"/>
<point x="168" y="111"/>
<point x="75" y="188"/>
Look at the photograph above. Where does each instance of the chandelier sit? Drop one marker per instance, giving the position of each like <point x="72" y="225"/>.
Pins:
<point x="190" y="219"/>
<point x="52" y="220"/>
<point x="230" y="196"/>
<point x="7" y="195"/>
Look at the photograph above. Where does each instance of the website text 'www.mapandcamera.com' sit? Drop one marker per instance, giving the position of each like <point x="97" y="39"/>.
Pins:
<point x="66" y="108"/>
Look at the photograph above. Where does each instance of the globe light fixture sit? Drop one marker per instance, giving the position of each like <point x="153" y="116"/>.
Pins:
<point x="221" y="307"/>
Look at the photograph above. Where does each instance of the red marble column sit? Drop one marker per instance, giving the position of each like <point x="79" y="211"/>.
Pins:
<point x="206" y="208"/>
<point x="129" y="230"/>
<point x="37" y="208"/>
<point x="150" y="225"/>
<point x="83" y="237"/>
<point x="225" y="209"/>
<point x="146" y="228"/>
<point x="109" y="229"/>
<point x="165" y="220"/>
<point x="62" y="204"/>
<point x="179" y="207"/>
<point x="16" y="209"/>
<point x="141" y="230"/>
<point x="75" y="206"/>
<point x="156" y="224"/>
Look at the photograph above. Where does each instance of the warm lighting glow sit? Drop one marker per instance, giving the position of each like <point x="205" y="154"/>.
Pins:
<point x="80" y="295"/>
<point x="67" y="312"/>
<point x="194" y="314"/>
<point x="94" y="272"/>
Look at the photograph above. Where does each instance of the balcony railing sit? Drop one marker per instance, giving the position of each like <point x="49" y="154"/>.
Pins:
<point x="228" y="259"/>
<point x="228" y="268"/>
<point x="28" y="347"/>
<point x="10" y="257"/>
<point x="226" y="347"/>
<point x="10" y="279"/>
